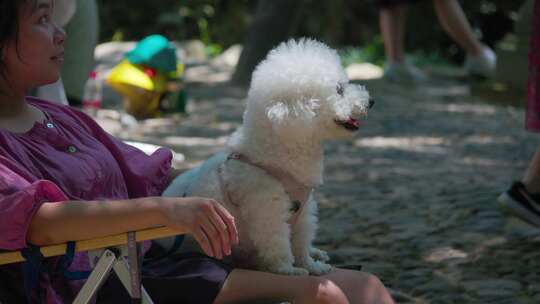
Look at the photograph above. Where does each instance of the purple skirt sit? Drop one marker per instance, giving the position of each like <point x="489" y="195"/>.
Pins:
<point x="190" y="278"/>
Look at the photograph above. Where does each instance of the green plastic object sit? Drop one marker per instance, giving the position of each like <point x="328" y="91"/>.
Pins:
<point x="156" y="52"/>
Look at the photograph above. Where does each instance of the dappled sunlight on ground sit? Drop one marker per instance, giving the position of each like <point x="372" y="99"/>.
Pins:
<point x="415" y="144"/>
<point x="412" y="198"/>
<point x="363" y="71"/>
<point x="484" y="139"/>
<point x="477" y="161"/>
<point x="441" y="254"/>
<point x="463" y="108"/>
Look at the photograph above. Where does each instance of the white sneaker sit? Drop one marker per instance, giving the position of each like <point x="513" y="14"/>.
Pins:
<point x="404" y="73"/>
<point x="482" y="65"/>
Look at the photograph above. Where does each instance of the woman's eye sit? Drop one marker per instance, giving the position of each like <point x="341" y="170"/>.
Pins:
<point x="339" y="89"/>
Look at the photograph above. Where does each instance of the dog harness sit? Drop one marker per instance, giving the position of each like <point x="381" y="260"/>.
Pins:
<point x="298" y="192"/>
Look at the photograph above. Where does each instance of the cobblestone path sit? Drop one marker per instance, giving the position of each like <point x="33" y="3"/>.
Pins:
<point x="412" y="198"/>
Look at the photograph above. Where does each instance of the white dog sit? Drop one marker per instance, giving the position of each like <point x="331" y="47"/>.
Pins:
<point x="299" y="97"/>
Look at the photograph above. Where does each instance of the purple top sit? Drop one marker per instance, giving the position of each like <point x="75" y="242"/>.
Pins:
<point x="68" y="157"/>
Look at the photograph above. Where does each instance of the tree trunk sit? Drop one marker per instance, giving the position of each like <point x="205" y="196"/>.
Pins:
<point x="273" y="23"/>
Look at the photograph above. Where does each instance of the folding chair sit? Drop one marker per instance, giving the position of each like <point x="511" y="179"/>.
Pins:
<point x="110" y="253"/>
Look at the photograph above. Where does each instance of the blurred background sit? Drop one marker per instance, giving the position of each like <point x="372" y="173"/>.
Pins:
<point x="344" y="24"/>
<point x="233" y="36"/>
<point x="412" y="198"/>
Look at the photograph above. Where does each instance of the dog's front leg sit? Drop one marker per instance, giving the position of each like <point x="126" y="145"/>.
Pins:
<point x="303" y="234"/>
<point x="266" y="226"/>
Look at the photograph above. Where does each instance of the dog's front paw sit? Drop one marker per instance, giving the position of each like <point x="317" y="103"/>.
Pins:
<point x="289" y="270"/>
<point x="319" y="255"/>
<point x="317" y="267"/>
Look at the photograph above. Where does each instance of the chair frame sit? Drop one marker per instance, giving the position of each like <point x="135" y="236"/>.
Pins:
<point x="109" y="250"/>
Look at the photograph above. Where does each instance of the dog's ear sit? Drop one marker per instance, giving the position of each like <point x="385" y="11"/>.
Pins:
<point x="292" y="120"/>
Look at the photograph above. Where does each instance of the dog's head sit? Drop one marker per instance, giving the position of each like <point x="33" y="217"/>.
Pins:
<point x="301" y="91"/>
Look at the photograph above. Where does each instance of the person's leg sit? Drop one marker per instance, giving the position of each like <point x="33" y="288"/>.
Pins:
<point x="455" y="23"/>
<point x="532" y="118"/>
<point x="531" y="179"/>
<point x="481" y="60"/>
<point x="338" y="287"/>
<point x="392" y="24"/>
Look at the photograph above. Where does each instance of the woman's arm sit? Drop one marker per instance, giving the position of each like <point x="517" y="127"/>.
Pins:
<point x="59" y="222"/>
<point x="211" y="225"/>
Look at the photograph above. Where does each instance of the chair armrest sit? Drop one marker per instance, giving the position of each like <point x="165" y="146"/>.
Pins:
<point x="92" y="244"/>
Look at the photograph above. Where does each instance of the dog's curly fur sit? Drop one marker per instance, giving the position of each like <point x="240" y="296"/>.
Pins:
<point x="299" y="97"/>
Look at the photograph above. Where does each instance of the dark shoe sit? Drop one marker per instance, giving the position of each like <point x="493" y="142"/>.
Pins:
<point x="519" y="202"/>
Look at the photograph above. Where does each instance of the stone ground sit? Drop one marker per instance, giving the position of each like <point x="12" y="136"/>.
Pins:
<point x="412" y="198"/>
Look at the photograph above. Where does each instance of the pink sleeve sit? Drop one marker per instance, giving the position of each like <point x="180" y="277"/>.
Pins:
<point x="19" y="200"/>
<point x="144" y="175"/>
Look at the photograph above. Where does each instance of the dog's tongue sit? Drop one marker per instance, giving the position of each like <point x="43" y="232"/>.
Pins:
<point x="354" y="122"/>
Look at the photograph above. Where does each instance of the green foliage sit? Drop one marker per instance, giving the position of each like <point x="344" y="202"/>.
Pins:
<point x="130" y="20"/>
<point x="221" y="23"/>
<point x="421" y="58"/>
<point x="372" y="52"/>
<point x="213" y="49"/>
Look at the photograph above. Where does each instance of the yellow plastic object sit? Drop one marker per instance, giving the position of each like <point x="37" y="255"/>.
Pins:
<point x="141" y="88"/>
<point x="139" y="102"/>
<point x="126" y="73"/>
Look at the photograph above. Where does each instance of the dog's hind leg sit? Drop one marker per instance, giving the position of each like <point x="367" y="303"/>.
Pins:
<point x="303" y="234"/>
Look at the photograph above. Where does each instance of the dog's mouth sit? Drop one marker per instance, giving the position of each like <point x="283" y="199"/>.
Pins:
<point x="351" y="124"/>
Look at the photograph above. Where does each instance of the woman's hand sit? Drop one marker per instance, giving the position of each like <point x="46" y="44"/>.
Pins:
<point x="209" y="222"/>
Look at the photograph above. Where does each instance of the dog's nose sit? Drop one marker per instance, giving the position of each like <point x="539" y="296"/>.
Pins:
<point x="371" y="102"/>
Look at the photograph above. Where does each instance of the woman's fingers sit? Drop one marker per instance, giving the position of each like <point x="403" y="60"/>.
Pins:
<point x="213" y="235"/>
<point x="221" y="228"/>
<point x="228" y="219"/>
<point x="210" y="223"/>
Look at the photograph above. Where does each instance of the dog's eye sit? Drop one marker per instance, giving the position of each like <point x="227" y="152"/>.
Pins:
<point x="340" y="89"/>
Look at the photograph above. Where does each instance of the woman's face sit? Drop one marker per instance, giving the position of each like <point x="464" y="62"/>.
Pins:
<point x="35" y="59"/>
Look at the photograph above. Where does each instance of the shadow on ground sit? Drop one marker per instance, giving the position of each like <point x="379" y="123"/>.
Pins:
<point x="412" y="198"/>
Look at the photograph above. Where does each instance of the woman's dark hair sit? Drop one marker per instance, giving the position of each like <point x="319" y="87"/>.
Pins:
<point x="9" y="20"/>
